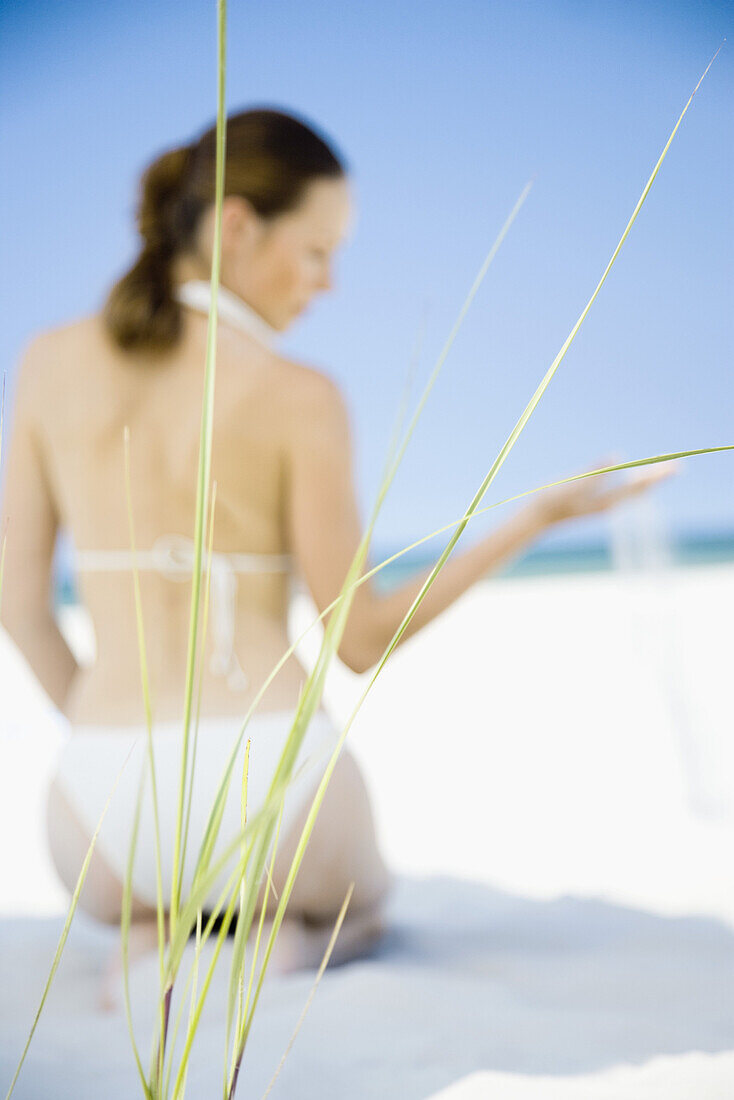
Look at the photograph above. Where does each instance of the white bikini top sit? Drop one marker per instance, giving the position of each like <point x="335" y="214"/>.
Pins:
<point x="173" y="555"/>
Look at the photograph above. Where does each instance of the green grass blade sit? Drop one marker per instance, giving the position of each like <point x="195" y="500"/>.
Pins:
<point x="205" y="447"/>
<point x="205" y="621"/>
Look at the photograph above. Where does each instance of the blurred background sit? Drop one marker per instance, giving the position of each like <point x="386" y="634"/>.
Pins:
<point x="578" y="730"/>
<point x="443" y="113"/>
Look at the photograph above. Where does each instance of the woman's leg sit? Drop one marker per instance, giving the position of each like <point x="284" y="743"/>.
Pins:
<point x="342" y="849"/>
<point x="68" y="841"/>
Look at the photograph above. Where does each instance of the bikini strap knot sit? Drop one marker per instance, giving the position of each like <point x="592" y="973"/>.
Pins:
<point x="173" y="555"/>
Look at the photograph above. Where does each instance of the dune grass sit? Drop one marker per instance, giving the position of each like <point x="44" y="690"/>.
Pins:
<point x="245" y="857"/>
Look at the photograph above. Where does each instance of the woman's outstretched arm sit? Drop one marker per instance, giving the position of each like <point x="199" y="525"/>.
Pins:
<point x="325" y="530"/>
<point x="29" y="522"/>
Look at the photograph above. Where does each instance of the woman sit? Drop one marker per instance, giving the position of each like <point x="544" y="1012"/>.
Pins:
<point x="282" y="461"/>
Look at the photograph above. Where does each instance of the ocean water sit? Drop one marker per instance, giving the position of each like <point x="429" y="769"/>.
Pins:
<point x="629" y="547"/>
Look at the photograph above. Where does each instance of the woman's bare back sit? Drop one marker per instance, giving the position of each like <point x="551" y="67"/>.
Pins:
<point x="88" y="393"/>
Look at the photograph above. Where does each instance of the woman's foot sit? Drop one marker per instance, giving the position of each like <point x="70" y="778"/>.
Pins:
<point x="142" y="939"/>
<point x="301" y="945"/>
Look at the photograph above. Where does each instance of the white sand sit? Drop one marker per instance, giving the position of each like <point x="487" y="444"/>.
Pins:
<point x="567" y="736"/>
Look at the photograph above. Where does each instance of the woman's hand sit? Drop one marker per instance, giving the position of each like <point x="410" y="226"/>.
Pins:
<point x="596" y="494"/>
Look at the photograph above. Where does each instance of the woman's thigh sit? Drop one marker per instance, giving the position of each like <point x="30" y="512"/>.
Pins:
<point x="68" y="840"/>
<point x="342" y="849"/>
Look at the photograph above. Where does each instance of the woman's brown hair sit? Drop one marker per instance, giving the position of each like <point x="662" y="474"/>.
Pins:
<point x="271" y="157"/>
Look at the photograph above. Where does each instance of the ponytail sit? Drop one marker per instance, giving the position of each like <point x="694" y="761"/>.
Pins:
<point x="140" y="311"/>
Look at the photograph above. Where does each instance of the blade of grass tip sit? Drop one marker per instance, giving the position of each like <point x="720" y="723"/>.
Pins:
<point x="509" y="443"/>
<point x="67" y="924"/>
<point x="210" y="831"/>
<point x="319" y="975"/>
<point x="512" y="438"/>
<point x="205" y="439"/>
<point x="467" y="515"/>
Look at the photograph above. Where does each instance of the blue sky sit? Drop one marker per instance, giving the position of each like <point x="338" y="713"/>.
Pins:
<point x="443" y="112"/>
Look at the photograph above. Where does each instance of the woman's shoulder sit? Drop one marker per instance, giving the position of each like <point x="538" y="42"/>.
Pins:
<point x="51" y="349"/>
<point x="311" y="395"/>
<point x="306" y="382"/>
<point x="47" y="356"/>
<point x="85" y="327"/>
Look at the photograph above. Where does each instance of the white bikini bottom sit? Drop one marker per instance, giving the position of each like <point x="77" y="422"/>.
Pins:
<point x="92" y="757"/>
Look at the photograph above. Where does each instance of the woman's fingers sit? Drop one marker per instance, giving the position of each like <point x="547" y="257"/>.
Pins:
<point x="639" y="484"/>
<point x="660" y="472"/>
<point x="594" y="494"/>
